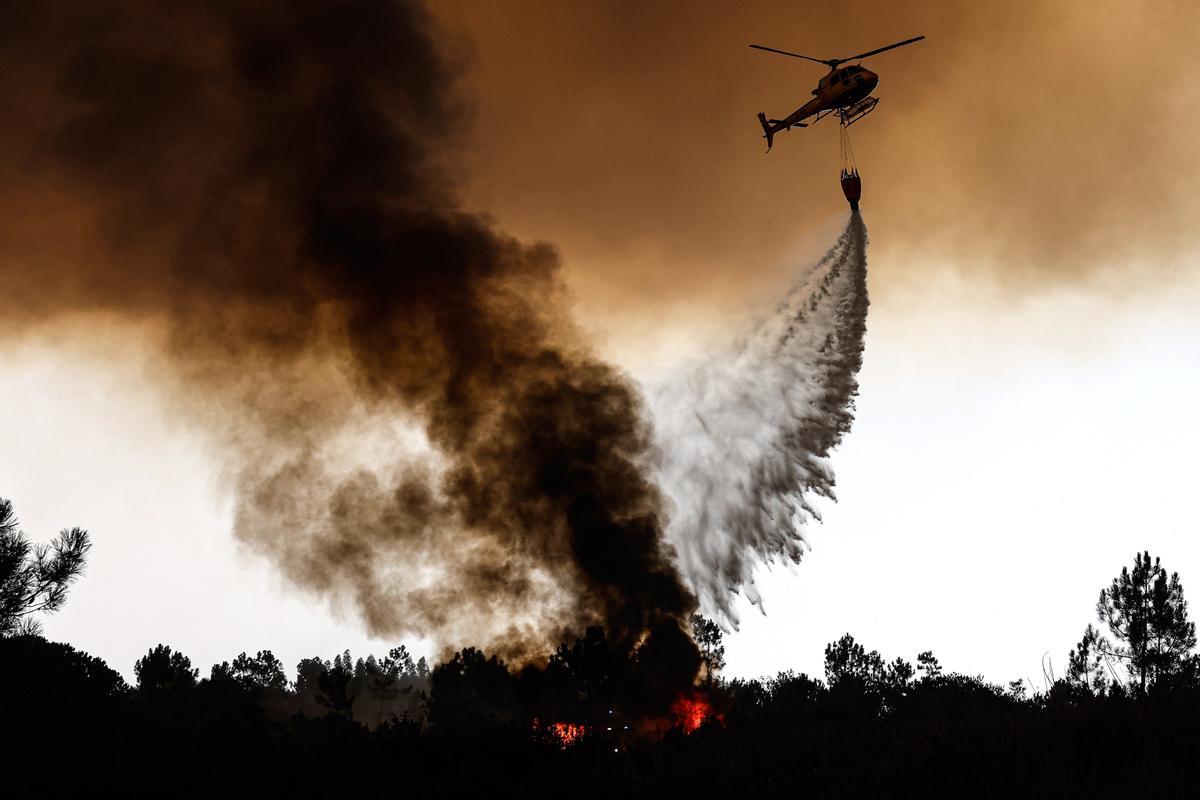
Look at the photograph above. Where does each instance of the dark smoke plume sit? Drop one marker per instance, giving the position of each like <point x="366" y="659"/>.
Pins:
<point x="745" y="434"/>
<point x="411" y="424"/>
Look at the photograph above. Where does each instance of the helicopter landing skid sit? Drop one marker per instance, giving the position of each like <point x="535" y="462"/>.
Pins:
<point x="854" y="113"/>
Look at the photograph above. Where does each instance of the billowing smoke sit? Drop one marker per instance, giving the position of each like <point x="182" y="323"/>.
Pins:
<point x="745" y="434"/>
<point x="410" y="424"/>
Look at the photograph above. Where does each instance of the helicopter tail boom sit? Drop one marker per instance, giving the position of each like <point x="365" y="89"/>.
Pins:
<point x="773" y="126"/>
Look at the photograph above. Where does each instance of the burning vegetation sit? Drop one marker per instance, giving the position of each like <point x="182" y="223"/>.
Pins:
<point x="692" y="709"/>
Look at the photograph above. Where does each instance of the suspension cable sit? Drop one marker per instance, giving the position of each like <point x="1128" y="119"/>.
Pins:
<point x="848" y="165"/>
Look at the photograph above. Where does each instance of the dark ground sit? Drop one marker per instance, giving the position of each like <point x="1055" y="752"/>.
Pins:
<point x="75" y="727"/>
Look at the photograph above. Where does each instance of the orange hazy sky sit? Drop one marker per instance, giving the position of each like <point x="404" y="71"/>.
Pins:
<point x="1030" y="143"/>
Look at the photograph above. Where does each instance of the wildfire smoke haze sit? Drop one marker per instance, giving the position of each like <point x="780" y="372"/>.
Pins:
<point x="266" y="185"/>
<point x="411" y="424"/>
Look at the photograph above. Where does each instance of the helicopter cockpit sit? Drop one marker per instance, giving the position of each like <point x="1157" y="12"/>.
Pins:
<point x="844" y="75"/>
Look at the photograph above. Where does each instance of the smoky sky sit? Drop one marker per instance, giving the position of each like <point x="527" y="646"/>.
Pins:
<point x="265" y="187"/>
<point x="1028" y="144"/>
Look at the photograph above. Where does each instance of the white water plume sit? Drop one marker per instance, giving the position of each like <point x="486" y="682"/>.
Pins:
<point x="745" y="433"/>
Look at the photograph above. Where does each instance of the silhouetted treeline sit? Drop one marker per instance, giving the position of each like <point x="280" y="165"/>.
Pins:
<point x="1123" y="721"/>
<point x="867" y="728"/>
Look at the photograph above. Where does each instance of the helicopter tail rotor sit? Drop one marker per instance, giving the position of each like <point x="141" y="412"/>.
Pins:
<point x="768" y="131"/>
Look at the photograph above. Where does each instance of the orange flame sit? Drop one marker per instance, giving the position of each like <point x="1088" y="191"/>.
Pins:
<point x="692" y="711"/>
<point x="567" y="733"/>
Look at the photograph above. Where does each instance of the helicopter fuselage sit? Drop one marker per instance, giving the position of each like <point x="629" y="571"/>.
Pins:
<point x="840" y="88"/>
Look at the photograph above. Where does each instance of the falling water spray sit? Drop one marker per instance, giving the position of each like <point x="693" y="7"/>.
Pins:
<point x="745" y="434"/>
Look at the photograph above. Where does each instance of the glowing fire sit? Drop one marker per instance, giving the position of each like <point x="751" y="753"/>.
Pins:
<point x="567" y="733"/>
<point x="691" y="711"/>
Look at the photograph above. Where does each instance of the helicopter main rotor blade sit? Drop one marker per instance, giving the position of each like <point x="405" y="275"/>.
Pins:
<point x="880" y="50"/>
<point x="786" y="53"/>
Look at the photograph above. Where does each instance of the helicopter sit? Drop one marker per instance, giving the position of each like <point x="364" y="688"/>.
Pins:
<point x="845" y="91"/>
